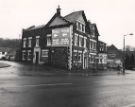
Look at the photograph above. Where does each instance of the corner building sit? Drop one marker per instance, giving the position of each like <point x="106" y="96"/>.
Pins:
<point x="70" y="42"/>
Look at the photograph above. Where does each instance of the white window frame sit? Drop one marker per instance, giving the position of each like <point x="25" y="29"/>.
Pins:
<point x="30" y="42"/>
<point x="23" y="54"/>
<point x="80" y="42"/>
<point x="24" y="42"/>
<point x="46" y="51"/>
<point x="37" y="41"/>
<point x="76" y="39"/>
<point x="49" y="39"/>
<point x="29" y="54"/>
<point x="84" y="42"/>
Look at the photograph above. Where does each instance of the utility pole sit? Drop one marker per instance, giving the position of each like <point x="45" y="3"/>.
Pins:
<point x="124" y="51"/>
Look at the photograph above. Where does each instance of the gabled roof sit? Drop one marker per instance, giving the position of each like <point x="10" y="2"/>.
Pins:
<point x="112" y="47"/>
<point x="57" y="23"/>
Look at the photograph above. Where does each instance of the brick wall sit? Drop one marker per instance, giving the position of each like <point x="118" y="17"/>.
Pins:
<point x="59" y="57"/>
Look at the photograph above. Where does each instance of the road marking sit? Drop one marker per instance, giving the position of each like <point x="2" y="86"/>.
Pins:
<point x="131" y="105"/>
<point x="36" y="85"/>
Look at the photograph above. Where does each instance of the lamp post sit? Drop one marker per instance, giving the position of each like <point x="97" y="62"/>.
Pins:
<point x="124" y="50"/>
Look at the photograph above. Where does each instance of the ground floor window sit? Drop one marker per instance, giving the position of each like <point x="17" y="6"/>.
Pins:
<point x="23" y="55"/>
<point x="77" y="56"/>
<point x="44" y="53"/>
<point x="29" y="55"/>
<point x="91" y="59"/>
<point x="80" y="57"/>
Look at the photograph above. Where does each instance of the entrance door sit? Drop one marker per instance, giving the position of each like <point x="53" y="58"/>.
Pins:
<point x="37" y="57"/>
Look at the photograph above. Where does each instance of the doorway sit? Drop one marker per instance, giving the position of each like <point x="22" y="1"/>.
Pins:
<point x="37" y="58"/>
<point x="85" y="62"/>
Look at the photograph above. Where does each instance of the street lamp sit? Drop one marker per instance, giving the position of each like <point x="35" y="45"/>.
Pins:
<point x="124" y="51"/>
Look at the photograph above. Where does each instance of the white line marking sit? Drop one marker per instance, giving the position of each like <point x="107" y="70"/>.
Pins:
<point x="36" y="85"/>
<point x="131" y="105"/>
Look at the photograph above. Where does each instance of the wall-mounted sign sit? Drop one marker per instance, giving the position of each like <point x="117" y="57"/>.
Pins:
<point x="60" y="37"/>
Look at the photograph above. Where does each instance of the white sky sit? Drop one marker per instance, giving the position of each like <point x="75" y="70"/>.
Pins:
<point x="114" y="18"/>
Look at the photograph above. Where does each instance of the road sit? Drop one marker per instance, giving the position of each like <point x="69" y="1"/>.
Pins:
<point x="17" y="90"/>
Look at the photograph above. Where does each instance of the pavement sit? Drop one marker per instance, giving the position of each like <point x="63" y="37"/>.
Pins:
<point x="2" y="65"/>
<point x="44" y="70"/>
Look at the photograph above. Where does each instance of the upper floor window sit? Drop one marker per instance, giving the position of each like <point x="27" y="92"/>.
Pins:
<point x="80" y="41"/>
<point x="24" y="42"/>
<point x="75" y="40"/>
<point x="37" y="41"/>
<point x="29" y="41"/>
<point x="83" y="28"/>
<point x="93" y="45"/>
<point x="80" y="26"/>
<point x="49" y="40"/>
<point x="85" y="42"/>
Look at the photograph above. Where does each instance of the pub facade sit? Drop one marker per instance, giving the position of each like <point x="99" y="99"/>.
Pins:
<point x="69" y="41"/>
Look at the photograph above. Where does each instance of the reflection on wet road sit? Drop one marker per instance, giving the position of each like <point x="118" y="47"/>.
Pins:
<point x="19" y="90"/>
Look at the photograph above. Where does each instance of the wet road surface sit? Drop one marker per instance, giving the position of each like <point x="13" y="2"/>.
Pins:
<point x="18" y="90"/>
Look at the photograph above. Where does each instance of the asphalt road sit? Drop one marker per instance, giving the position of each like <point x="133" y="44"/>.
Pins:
<point x="17" y="90"/>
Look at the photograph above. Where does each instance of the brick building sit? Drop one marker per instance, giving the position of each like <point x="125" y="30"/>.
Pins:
<point x="69" y="41"/>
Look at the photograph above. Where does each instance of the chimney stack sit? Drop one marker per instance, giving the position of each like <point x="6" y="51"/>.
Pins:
<point x="59" y="10"/>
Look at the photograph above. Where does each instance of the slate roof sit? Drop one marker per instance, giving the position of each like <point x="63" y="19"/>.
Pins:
<point x="35" y="27"/>
<point x="72" y="17"/>
<point x="112" y="47"/>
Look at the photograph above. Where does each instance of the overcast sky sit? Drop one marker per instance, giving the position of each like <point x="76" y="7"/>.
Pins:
<point x="114" y="18"/>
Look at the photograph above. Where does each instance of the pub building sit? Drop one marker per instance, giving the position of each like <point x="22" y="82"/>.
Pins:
<point x="69" y="42"/>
